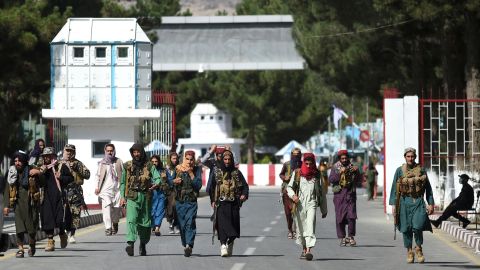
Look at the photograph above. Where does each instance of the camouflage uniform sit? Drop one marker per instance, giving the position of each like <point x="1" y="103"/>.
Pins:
<point x="74" y="190"/>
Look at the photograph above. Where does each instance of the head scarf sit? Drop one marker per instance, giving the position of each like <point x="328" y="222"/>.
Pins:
<point x="22" y="157"/>
<point x="409" y="149"/>
<point x="185" y="166"/>
<point x="342" y="153"/>
<point x="138" y="163"/>
<point x="295" y="160"/>
<point x="308" y="172"/>
<point x="107" y="159"/>
<point x="36" y="152"/>
<point x="223" y="166"/>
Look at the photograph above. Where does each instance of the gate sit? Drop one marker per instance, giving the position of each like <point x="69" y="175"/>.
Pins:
<point x="449" y="142"/>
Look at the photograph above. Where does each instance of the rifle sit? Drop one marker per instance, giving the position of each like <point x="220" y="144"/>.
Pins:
<point x="213" y="218"/>
<point x="397" y="210"/>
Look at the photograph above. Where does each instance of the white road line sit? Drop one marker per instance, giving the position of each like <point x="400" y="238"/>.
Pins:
<point x="282" y="213"/>
<point x="267" y="229"/>
<point x="273" y="222"/>
<point x="249" y="251"/>
<point x="260" y="238"/>
<point x="238" y="266"/>
<point x="278" y="217"/>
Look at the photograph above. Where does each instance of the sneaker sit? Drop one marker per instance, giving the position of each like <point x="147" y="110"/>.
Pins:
<point x="308" y="256"/>
<point x="343" y="242"/>
<point x="465" y="224"/>
<point x="170" y="228"/>
<point x="224" y="251"/>
<point x="72" y="239"/>
<point x="187" y="251"/>
<point x="302" y="256"/>
<point x="177" y="231"/>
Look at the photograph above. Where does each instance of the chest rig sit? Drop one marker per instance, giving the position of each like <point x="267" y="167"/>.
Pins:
<point x="412" y="182"/>
<point x="140" y="180"/>
<point x="347" y="178"/>
<point x="33" y="189"/>
<point x="185" y="192"/>
<point x="228" y="188"/>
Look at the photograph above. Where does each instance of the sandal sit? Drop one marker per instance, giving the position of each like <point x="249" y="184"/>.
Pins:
<point x="290" y="235"/>
<point x="352" y="242"/>
<point x="20" y="253"/>
<point x="343" y="242"/>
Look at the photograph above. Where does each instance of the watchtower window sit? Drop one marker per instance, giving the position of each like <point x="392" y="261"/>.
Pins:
<point x="122" y="52"/>
<point x="100" y="52"/>
<point x="78" y="52"/>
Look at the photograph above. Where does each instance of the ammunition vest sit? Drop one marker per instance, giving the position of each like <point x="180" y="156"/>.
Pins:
<point x="227" y="189"/>
<point x="34" y="192"/>
<point x="413" y="182"/>
<point x="78" y="170"/>
<point x="348" y="178"/>
<point x="140" y="182"/>
<point x="185" y="192"/>
<point x="288" y="175"/>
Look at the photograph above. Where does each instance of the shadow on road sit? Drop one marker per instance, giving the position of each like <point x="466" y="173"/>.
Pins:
<point x="338" y="259"/>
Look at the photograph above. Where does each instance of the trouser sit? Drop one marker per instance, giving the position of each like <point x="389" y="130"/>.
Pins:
<point x="51" y="232"/>
<point x="171" y="210"/>
<point x="371" y="190"/>
<point x="186" y="215"/>
<point x="1" y="213"/>
<point x="21" y="239"/>
<point x="408" y="238"/>
<point x="158" y="209"/>
<point x="287" y="208"/>
<point x="134" y="230"/>
<point x="305" y="220"/>
<point x="451" y="210"/>
<point x="351" y="227"/>
<point x="110" y="214"/>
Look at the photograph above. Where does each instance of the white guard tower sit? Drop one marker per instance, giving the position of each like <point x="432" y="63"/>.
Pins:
<point x="209" y="125"/>
<point x="101" y="87"/>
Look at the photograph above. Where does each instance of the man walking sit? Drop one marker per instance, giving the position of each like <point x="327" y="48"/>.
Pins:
<point x="108" y="188"/>
<point x="286" y="173"/>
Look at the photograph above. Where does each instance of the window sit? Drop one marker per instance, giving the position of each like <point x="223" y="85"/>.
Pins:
<point x="101" y="52"/>
<point x="202" y="117"/>
<point x="97" y="148"/>
<point x="211" y="117"/>
<point x="122" y="52"/>
<point x="78" y="52"/>
<point x="220" y="118"/>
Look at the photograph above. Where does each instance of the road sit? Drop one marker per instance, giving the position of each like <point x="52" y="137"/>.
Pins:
<point x="263" y="245"/>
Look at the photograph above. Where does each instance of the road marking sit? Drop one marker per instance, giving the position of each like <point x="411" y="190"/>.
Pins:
<point x="273" y="222"/>
<point x="457" y="248"/>
<point x="249" y="251"/>
<point x="238" y="266"/>
<point x="267" y="229"/>
<point x="278" y="217"/>
<point x="260" y="238"/>
<point x="282" y="213"/>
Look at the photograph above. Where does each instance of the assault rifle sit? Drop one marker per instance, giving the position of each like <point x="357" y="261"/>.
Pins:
<point x="397" y="210"/>
<point x="213" y="218"/>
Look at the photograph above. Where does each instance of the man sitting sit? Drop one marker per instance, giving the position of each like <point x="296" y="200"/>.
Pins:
<point x="464" y="201"/>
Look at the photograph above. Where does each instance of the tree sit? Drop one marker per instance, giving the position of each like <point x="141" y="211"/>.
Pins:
<point x="26" y="31"/>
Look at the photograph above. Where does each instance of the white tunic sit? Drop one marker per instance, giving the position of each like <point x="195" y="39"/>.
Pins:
<point x="110" y="188"/>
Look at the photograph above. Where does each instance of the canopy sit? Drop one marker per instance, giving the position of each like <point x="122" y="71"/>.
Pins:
<point x="156" y="145"/>
<point x="287" y="149"/>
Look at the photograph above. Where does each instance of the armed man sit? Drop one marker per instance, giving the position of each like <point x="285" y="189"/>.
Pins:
<point x="410" y="185"/>
<point x="75" y="199"/>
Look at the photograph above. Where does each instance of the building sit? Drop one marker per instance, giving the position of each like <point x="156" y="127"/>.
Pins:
<point x="209" y="125"/>
<point x="101" y="87"/>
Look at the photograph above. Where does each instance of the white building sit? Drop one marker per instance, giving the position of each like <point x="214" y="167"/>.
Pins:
<point x="101" y="87"/>
<point x="209" y="125"/>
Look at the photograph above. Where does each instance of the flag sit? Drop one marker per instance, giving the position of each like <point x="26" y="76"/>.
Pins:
<point x="337" y="115"/>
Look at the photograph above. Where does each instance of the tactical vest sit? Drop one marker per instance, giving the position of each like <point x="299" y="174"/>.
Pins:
<point x="227" y="189"/>
<point x="347" y="178"/>
<point x="185" y="192"/>
<point x="412" y="182"/>
<point x="78" y="170"/>
<point x="141" y="182"/>
<point x="34" y="193"/>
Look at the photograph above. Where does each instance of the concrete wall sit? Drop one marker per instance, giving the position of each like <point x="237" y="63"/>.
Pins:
<point x="401" y="131"/>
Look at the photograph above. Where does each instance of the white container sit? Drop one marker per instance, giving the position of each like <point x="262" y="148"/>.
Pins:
<point x="78" y="76"/>
<point x="100" y="98"/>
<point x="100" y="76"/>
<point x="125" y="98"/>
<point x="78" y="98"/>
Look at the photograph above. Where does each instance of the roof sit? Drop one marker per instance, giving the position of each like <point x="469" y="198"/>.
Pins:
<point x="225" y="43"/>
<point x="101" y="30"/>
<point x="205" y="108"/>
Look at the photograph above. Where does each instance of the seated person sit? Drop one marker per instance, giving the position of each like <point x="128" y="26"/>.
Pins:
<point x="464" y="201"/>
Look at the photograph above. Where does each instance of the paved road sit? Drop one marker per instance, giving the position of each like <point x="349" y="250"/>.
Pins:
<point x="263" y="245"/>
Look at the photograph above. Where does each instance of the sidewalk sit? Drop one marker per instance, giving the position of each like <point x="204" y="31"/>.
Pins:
<point x="95" y="217"/>
<point x="470" y="236"/>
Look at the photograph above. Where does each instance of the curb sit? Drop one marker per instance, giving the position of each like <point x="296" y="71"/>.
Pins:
<point x="471" y="238"/>
<point x="84" y="222"/>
